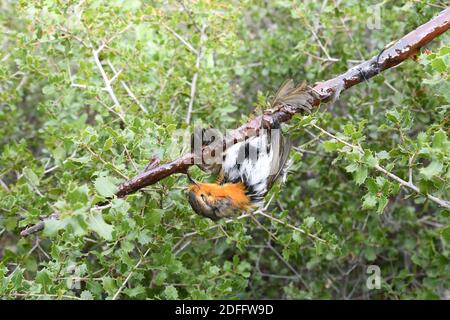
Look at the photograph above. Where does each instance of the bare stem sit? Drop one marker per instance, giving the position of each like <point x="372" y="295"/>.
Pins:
<point x="195" y="77"/>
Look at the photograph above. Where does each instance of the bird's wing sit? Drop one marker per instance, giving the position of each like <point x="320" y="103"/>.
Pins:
<point x="279" y="160"/>
<point x="256" y="162"/>
<point x="298" y="97"/>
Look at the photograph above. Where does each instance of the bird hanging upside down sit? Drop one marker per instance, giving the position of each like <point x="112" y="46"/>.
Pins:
<point x="249" y="168"/>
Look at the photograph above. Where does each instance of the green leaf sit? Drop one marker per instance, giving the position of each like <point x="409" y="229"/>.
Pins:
<point x="86" y="295"/>
<point x="52" y="226"/>
<point x="108" y="144"/>
<point x="372" y="185"/>
<point x="309" y="221"/>
<point x="370" y="201"/>
<point x="44" y="277"/>
<point x="214" y="270"/>
<point x="332" y="145"/>
<point x="154" y="217"/>
<point x="383" y="155"/>
<point x="171" y="292"/>
<point x="439" y="65"/>
<point x="360" y="175"/>
<point x="97" y="224"/>
<point x="352" y="167"/>
<point x="382" y="202"/>
<point x="370" y="255"/>
<point x="393" y="115"/>
<point x="445" y="233"/>
<point x="136" y="291"/>
<point x="31" y="176"/>
<point x="439" y="139"/>
<point x="109" y="284"/>
<point x="370" y="160"/>
<point x="79" y="195"/>
<point x="105" y="186"/>
<point x="297" y="237"/>
<point x="433" y="169"/>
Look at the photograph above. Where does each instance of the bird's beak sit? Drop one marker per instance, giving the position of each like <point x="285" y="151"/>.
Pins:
<point x="191" y="180"/>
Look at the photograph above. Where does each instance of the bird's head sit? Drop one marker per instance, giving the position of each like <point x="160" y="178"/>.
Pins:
<point x="216" y="201"/>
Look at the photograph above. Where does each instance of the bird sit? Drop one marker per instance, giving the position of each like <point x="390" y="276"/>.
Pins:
<point x="249" y="168"/>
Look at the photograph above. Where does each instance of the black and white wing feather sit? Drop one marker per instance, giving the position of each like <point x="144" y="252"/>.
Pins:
<point x="256" y="162"/>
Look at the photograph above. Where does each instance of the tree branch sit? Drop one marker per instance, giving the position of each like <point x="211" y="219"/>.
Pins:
<point x="400" y="51"/>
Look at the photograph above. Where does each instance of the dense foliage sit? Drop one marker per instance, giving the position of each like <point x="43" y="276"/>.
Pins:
<point x="66" y="144"/>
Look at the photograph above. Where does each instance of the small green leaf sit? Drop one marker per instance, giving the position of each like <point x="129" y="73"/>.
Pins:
<point x="214" y="270"/>
<point x="97" y="224"/>
<point x="332" y="145"/>
<point x="105" y="186"/>
<point x="445" y="233"/>
<point x="31" y="176"/>
<point x="108" y="144"/>
<point x="79" y="195"/>
<point x="309" y="221"/>
<point x="109" y="284"/>
<point x="44" y="278"/>
<point x="352" y="167"/>
<point x="297" y="237"/>
<point x="52" y="226"/>
<point x="382" y="155"/>
<point x="433" y="169"/>
<point x="154" y="217"/>
<point x="370" y="255"/>
<point x="382" y="202"/>
<point x="370" y="201"/>
<point x="136" y="291"/>
<point x="439" y="139"/>
<point x="439" y="65"/>
<point x="86" y="295"/>
<point x="372" y="186"/>
<point x="393" y="115"/>
<point x="371" y="160"/>
<point x="360" y="175"/>
<point x="171" y="293"/>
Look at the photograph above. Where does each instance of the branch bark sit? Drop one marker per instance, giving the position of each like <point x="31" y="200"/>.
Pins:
<point x="400" y="51"/>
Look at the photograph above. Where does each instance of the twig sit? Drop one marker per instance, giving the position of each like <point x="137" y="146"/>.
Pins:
<point x="408" y="185"/>
<point x="195" y="77"/>
<point x="187" y="44"/>
<point x="291" y="226"/>
<point x="127" y="89"/>
<point x="410" y="168"/>
<point x="4" y="186"/>
<point x="130" y="274"/>
<point x="183" y="247"/>
<point x="96" y="155"/>
<point x="318" y="40"/>
<point x="110" y="109"/>
<point x="106" y="80"/>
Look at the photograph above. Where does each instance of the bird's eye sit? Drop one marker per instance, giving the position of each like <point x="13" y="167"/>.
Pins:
<point x="203" y="197"/>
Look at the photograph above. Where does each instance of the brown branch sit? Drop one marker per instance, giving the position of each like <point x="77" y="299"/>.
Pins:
<point x="400" y="51"/>
<point x="404" y="48"/>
